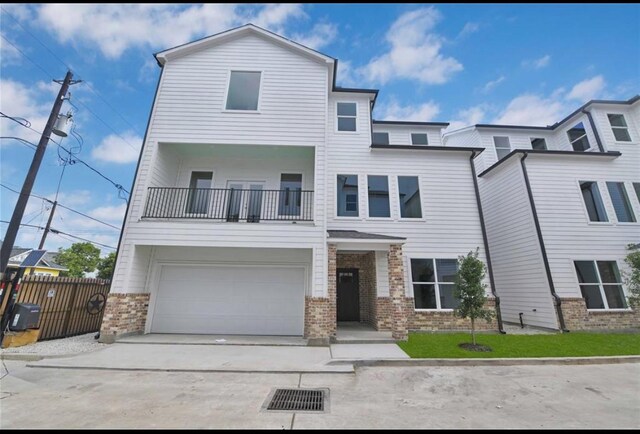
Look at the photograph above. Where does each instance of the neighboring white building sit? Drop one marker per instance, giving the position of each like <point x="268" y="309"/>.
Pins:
<point x="561" y="205"/>
<point x="263" y="204"/>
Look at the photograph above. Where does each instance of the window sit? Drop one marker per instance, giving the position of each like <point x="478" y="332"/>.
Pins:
<point x="620" y="202"/>
<point x="539" y="144"/>
<point x="619" y="127"/>
<point x="433" y="283"/>
<point x="378" y="189"/>
<point x="636" y="187"/>
<point x="503" y="147"/>
<point x="348" y="195"/>
<point x="409" y="194"/>
<point x="593" y="201"/>
<point x="419" y="139"/>
<point x="578" y="138"/>
<point x="199" y="192"/>
<point x="290" y="194"/>
<point x="347" y="114"/>
<point x="600" y="285"/>
<point x="380" y="138"/>
<point x="244" y="90"/>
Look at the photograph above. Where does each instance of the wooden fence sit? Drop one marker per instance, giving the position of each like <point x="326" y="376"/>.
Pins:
<point x="69" y="305"/>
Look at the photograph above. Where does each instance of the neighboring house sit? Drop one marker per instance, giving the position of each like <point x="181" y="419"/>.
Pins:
<point x="561" y="205"/>
<point x="267" y="201"/>
<point x="46" y="266"/>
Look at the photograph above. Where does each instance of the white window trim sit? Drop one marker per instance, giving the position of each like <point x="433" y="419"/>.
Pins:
<point x="422" y="209"/>
<point x="546" y="142"/>
<point x="390" y="218"/>
<point x="621" y="142"/>
<point x="586" y="134"/>
<point x="417" y="132"/>
<point x="335" y="192"/>
<point x="630" y="202"/>
<point x="601" y="285"/>
<point x="436" y="285"/>
<point x="608" y="222"/>
<point x="226" y="92"/>
<point x="356" y="118"/>
<point x="496" y="147"/>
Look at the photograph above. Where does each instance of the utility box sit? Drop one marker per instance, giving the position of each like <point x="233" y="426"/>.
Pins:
<point x="25" y="316"/>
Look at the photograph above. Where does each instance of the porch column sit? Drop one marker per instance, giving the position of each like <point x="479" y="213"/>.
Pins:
<point x="332" y="253"/>
<point x="397" y="293"/>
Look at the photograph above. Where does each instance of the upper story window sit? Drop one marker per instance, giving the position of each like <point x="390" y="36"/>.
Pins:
<point x="347" y="195"/>
<point x="503" y="147"/>
<point x="620" y="202"/>
<point x="409" y="195"/>
<point x="380" y="138"/>
<point x="619" y="127"/>
<point x="433" y="283"/>
<point x="538" y="143"/>
<point x="600" y="284"/>
<point x="578" y="138"/>
<point x="419" y="139"/>
<point x="593" y="201"/>
<point x="244" y="90"/>
<point x="378" y="190"/>
<point x="636" y="187"/>
<point x="347" y="116"/>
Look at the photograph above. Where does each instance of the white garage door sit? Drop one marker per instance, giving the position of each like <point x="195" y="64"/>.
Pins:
<point x="245" y="300"/>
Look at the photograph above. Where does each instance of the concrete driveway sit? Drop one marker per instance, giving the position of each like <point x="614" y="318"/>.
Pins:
<point x="589" y="396"/>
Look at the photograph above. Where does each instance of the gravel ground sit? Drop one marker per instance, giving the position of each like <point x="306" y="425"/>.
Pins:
<point x="58" y="347"/>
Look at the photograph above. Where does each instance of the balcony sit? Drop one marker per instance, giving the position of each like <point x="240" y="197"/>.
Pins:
<point x="229" y="205"/>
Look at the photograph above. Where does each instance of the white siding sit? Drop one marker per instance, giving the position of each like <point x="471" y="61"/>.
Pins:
<point x="518" y="267"/>
<point x="518" y="139"/>
<point x="401" y="134"/>
<point x="631" y="116"/>
<point x="450" y="225"/>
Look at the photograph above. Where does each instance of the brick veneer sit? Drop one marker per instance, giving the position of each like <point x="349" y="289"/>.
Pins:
<point x="124" y="314"/>
<point x="366" y="265"/>
<point x="384" y="313"/>
<point x="446" y="321"/>
<point x="577" y="317"/>
<point x="397" y="293"/>
<point x="318" y="322"/>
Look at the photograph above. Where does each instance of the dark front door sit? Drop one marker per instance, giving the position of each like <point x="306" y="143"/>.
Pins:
<point x="348" y="294"/>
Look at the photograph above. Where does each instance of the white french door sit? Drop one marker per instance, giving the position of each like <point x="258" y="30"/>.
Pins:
<point x="244" y="201"/>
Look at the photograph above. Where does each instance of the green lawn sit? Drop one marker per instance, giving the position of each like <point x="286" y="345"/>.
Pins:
<point x="423" y="345"/>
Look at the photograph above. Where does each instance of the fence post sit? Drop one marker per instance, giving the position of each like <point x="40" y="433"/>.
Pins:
<point x="70" y="305"/>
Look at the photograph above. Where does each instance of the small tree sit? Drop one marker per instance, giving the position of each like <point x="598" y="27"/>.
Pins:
<point x="80" y="258"/>
<point x="470" y="290"/>
<point x="633" y="276"/>
<point x="106" y="266"/>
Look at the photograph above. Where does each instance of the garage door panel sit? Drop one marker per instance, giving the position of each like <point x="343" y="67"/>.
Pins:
<point x="230" y="300"/>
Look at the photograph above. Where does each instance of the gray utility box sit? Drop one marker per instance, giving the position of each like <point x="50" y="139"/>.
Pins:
<point x="25" y="316"/>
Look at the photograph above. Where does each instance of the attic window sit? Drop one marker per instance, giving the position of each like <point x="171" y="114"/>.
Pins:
<point x="244" y="90"/>
<point x="578" y="138"/>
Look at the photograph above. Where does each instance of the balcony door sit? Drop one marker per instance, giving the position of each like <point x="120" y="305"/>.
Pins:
<point x="245" y="201"/>
<point x="199" y="192"/>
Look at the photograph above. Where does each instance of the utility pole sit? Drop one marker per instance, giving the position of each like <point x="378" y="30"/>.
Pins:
<point x="48" y="227"/>
<point x="18" y="212"/>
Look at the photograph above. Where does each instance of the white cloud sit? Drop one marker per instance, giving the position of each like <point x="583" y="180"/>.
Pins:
<point x="9" y="54"/>
<point x="422" y="112"/>
<point x="492" y="84"/>
<point x="322" y="34"/>
<point x="19" y="100"/>
<point x="346" y="74"/>
<point x="529" y="109"/>
<point x="537" y="63"/>
<point x="415" y="51"/>
<point x="468" y="29"/>
<point x="110" y="213"/>
<point x="113" y="149"/>
<point x="470" y="116"/>
<point x="587" y="89"/>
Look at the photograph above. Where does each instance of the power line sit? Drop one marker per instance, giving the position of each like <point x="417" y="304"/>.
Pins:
<point x="27" y="57"/>
<point x="65" y="207"/>
<point x="21" y="141"/>
<point x="57" y="232"/>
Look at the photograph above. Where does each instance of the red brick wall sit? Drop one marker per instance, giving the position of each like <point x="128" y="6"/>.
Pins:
<point x="577" y="317"/>
<point x="124" y="314"/>
<point x="446" y="321"/>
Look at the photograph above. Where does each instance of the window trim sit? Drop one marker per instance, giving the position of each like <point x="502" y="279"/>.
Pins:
<point x="436" y="284"/>
<point x="368" y="217"/>
<point x="336" y="130"/>
<point x="629" y="203"/>
<point x="636" y="189"/>
<point x="379" y="132"/>
<point x="546" y="145"/>
<point x="411" y="138"/>
<point x="422" y="213"/>
<point x="496" y="147"/>
<point x="586" y="134"/>
<point x="608" y="221"/>
<point x="630" y="141"/>
<point x="226" y="92"/>
<point x="601" y="285"/>
<point x="346" y="217"/>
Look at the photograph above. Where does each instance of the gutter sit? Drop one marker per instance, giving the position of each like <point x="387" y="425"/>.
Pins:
<point x="593" y="128"/>
<point x="486" y="242"/>
<point x="545" y="259"/>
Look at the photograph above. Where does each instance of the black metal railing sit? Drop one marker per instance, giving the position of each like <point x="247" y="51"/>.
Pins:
<point x="229" y="205"/>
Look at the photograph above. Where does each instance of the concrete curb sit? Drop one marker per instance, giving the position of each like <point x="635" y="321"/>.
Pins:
<point x="23" y="357"/>
<point x="600" y="360"/>
<point x="210" y="371"/>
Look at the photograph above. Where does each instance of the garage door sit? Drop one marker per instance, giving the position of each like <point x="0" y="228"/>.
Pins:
<point x="246" y="300"/>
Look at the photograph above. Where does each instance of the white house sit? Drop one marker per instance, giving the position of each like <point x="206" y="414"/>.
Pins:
<point x="561" y="205"/>
<point x="267" y="201"/>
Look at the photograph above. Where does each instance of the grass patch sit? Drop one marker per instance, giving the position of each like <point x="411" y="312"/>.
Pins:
<point x="423" y="345"/>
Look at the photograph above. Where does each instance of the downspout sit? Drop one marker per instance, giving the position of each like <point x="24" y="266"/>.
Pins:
<point x="486" y="242"/>
<point x="545" y="259"/>
<point x="593" y="128"/>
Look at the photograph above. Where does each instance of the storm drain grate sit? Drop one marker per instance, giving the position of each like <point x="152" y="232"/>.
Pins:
<point x="297" y="400"/>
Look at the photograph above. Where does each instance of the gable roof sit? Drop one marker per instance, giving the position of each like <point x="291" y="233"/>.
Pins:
<point x="47" y="261"/>
<point x="227" y="35"/>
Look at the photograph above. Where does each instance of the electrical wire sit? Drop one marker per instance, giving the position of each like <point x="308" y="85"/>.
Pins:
<point x="58" y="232"/>
<point x="21" y="141"/>
<point x="27" y="57"/>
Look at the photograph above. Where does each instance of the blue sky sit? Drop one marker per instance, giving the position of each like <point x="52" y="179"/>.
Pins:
<point x="522" y="64"/>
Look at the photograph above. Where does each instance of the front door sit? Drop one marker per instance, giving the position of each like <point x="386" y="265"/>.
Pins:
<point x="245" y="201"/>
<point x="348" y="294"/>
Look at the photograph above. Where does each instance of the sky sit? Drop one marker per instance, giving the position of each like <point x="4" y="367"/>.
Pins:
<point x="464" y="64"/>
